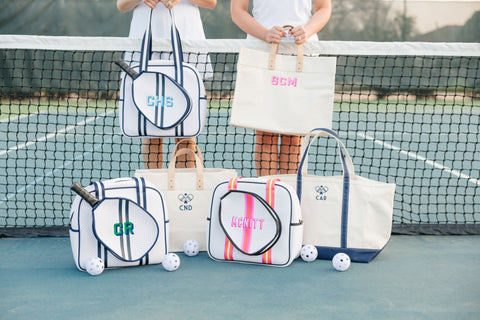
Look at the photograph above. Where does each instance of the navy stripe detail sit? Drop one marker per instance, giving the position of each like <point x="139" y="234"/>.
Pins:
<point x="139" y="124"/>
<point x="137" y="188"/>
<point x="157" y="76"/>
<point x="345" y="201"/>
<point x="146" y="53"/>
<point x="120" y="220"/>
<point x="99" y="249"/>
<point x="162" y="115"/>
<point x="127" y="219"/>
<point x="105" y="257"/>
<point x="356" y="255"/>
<point x="144" y="126"/>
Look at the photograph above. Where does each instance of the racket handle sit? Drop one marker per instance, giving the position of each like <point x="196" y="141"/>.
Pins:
<point x="125" y="67"/>
<point x="78" y="189"/>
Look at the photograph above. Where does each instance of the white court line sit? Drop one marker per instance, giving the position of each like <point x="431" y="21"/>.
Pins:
<point x="48" y="136"/>
<point x="50" y="173"/>
<point x="420" y="158"/>
<point x="66" y="164"/>
<point x="20" y="117"/>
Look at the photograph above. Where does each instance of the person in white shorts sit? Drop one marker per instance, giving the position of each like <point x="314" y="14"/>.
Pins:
<point x="189" y="25"/>
<point x="266" y="23"/>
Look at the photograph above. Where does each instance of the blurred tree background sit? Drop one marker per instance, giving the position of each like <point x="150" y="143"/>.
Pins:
<point x="369" y="20"/>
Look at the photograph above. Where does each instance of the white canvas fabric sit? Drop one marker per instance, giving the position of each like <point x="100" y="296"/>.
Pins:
<point x="166" y="98"/>
<point x="254" y="220"/>
<point x="281" y="93"/>
<point x="187" y="192"/>
<point x="129" y="226"/>
<point x="347" y="213"/>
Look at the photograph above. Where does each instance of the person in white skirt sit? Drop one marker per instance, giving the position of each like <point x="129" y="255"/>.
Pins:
<point x="189" y="25"/>
<point x="266" y="23"/>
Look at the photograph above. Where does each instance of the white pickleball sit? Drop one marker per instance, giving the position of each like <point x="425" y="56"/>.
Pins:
<point x="171" y="262"/>
<point x="191" y="248"/>
<point x="95" y="266"/>
<point x="309" y="253"/>
<point x="341" y="261"/>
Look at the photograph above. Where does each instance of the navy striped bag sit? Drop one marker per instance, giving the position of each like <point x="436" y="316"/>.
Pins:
<point x="122" y="236"/>
<point x="161" y="98"/>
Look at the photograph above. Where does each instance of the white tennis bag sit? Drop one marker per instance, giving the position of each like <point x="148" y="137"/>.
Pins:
<point x="128" y="227"/>
<point x="162" y="98"/>
<point x="255" y="221"/>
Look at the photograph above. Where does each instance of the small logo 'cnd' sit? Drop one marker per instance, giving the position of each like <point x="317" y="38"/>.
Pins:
<point x="185" y="199"/>
<point x="321" y="192"/>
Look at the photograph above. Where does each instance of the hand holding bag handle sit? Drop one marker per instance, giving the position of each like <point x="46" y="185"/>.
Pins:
<point x="171" y="168"/>
<point x="274" y="51"/>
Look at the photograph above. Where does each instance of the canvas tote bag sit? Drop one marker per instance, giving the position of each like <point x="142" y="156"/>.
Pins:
<point x="281" y="93"/>
<point x="347" y="213"/>
<point x="187" y="192"/>
<point x="162" y="98"/>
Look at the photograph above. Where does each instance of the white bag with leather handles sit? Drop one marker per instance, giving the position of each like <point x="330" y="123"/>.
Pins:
<point x="255" y="221"/>
<point x="347" y="213"/>
<point x="187" y="192"/>
<point x="283" y="93"/>
<point x="161" y="98"/>
<point x="128" y="226"/>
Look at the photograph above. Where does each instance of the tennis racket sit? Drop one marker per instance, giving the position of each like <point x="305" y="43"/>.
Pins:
<point x="121" y="225"/>
<point x="125" y="67"/>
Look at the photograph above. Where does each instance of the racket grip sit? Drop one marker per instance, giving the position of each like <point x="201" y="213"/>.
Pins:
<point x="125" y="67"/>
<point x="78" y="189"/>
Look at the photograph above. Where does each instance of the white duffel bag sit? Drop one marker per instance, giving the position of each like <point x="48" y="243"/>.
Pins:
<point x="128" y="227"/>
<point x="256" y="221"/>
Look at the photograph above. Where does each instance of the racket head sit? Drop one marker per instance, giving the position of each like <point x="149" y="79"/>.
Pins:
<point x="162" y="100"/>
<point x="124" y="228"/>
<point x="251" y="225"/>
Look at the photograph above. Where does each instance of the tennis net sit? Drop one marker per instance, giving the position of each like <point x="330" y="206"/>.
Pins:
<point x="409" y="113"/>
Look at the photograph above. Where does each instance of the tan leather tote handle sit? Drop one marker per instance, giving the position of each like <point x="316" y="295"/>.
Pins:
<point x="171" y="168"/>
<point x="274" y="51"/>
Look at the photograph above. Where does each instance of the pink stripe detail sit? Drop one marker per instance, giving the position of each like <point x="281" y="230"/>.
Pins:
<point x="247" y="231"/>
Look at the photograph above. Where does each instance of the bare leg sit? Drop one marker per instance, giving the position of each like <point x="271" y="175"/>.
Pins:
<point x="266" y="153"/>
<point x="187" y="160"/>
<point x="152" y="150"/>
<point x="290" y="153"/>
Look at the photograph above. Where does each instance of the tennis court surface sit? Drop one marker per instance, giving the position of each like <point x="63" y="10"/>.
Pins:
<point x="409" y="114"/>
<point x="415" y="277"/>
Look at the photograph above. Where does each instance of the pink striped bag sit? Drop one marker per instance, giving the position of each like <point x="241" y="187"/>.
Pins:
<point x="255" y="221"/>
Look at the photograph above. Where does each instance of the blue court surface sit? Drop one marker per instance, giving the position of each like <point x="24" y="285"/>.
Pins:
<point x="415" y="277"/>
